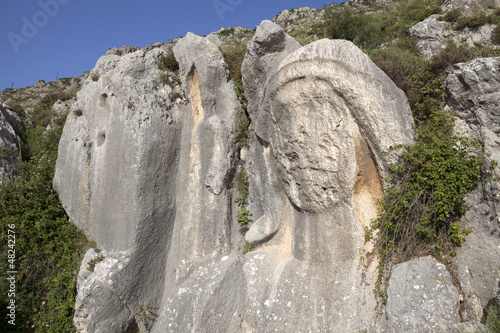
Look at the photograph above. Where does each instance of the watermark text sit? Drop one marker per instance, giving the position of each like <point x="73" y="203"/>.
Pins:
<point x="31" y="27"/>
<point x="223" y="6"/>
<point x="11" y="274"/>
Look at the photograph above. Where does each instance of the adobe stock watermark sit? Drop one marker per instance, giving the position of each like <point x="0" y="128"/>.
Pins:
<point x="30" y="28"/>
<point x="223" y="6"/>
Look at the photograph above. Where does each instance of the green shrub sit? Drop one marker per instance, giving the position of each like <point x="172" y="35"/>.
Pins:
<point x="476" y="20"/>
<point x="94" y="75"/>
<point x="369" y="30"/>
<point x="234" y="53"/>
<point x="495" y="35"/>
<point x="247" y="247"/>
<point x="419" y="214"/>
<point x="242" y="132"/>
<point x="491" y="317"/>
<point x="454" y="54"/>
<point x="7" y="152"/>
<point x="226" y="32"/>
<point x="65" y="80"/>
<point x="162" y="79"/>
<point x="451" y="16"/>
<point x="48" y="247"/>
<point x="168" y="62"/>
<point x="401" y="62"/>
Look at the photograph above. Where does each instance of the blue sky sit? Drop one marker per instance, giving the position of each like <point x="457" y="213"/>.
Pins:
<point x="45" y="39"/>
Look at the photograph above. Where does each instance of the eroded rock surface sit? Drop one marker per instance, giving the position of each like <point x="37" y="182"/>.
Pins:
<point x="151" y="181"/>
<point x="316" y="170"/>
<point x="433" y="35"/>
<point x="9" y="142"/>
<point x="421" y="297"/>
<point x="474" y="95"/>
<point x="135" y="167"/>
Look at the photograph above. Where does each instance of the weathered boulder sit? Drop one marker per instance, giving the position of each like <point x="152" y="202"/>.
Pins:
<point x="467" y="7"/>
<point x="474" y="95"/>
<point x="135" y="168"/>
<point x="323" y="117"/>
<point x="269" y="46"/>
<point x="421" y="297"/>
<point x="433" y="35"/>
<point x="297" y="18"/>
<point x="150" y="180"/>
<point x="9" y="142"/>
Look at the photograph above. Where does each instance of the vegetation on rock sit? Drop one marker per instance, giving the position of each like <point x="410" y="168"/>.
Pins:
<point x="48" y="248"/>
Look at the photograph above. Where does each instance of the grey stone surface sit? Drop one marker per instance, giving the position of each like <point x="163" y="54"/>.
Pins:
<point x="9" y="142"/>
<point x="468" y="327"/>
<point x="150" y="180"/>
<point x="473" y="91"/>
<point x="467" y="7"/>
<point x="315" y="170"/>
<point x="433" y="34"/>
<point x="421" y="297"/>
<point x="269" y="46"/>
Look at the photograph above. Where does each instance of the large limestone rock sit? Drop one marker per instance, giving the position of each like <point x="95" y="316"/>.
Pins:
<point x="150" y="180"/>
<point x="474" y="95"/>
<point x="9" y="142"/>
<point x="421" y="297"/>
<point x="135" y="168"/>
<point x="323" y="118"/>
<point x="269" y="46"/>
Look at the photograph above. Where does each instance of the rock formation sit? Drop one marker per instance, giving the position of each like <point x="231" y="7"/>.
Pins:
<point x="411" y="286"/>
<point x="473" y="91"/>
<point x="9" y="142"/>
<point x="433" y="34"/>
<point x="150" y="180"/>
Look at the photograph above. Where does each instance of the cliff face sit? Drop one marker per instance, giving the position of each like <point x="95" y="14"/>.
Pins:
<point x="150" y="180"/>
<point x="148" y="171"/>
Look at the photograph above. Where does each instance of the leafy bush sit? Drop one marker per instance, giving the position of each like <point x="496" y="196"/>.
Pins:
<point x="242" y="187"/>
<point x="420" y="212"/>
<point x="369" y="30"/>
<point x="247" y="247"/>
<point x="168" y="62"/>
<point x="48" y="246"/>
<point x="401" y="63"/>
<point x="162" y="79"/>
<point x="476" y="20"/>
<point x="454" y="54"/>
<point x="495" y="35"/>
<point x="451" y="15"/>
<point x="242" y="200"/>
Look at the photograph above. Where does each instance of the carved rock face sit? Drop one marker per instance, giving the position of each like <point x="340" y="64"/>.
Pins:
<point x="152" y="183"/>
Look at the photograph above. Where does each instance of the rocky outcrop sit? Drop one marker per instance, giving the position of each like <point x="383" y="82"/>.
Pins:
<point x="268" y="48"/>
<point x="473" y="91"/>
<point x="316" y="169"/>
<point x="467" y="7"/>
<point x="421" y="297"/>
<point x="136" y="168"/>
<point x="150" y="180"/>
<point x="9" y="142"/>
<point x="296" y="18"/>
<point x="433" y="34"/>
